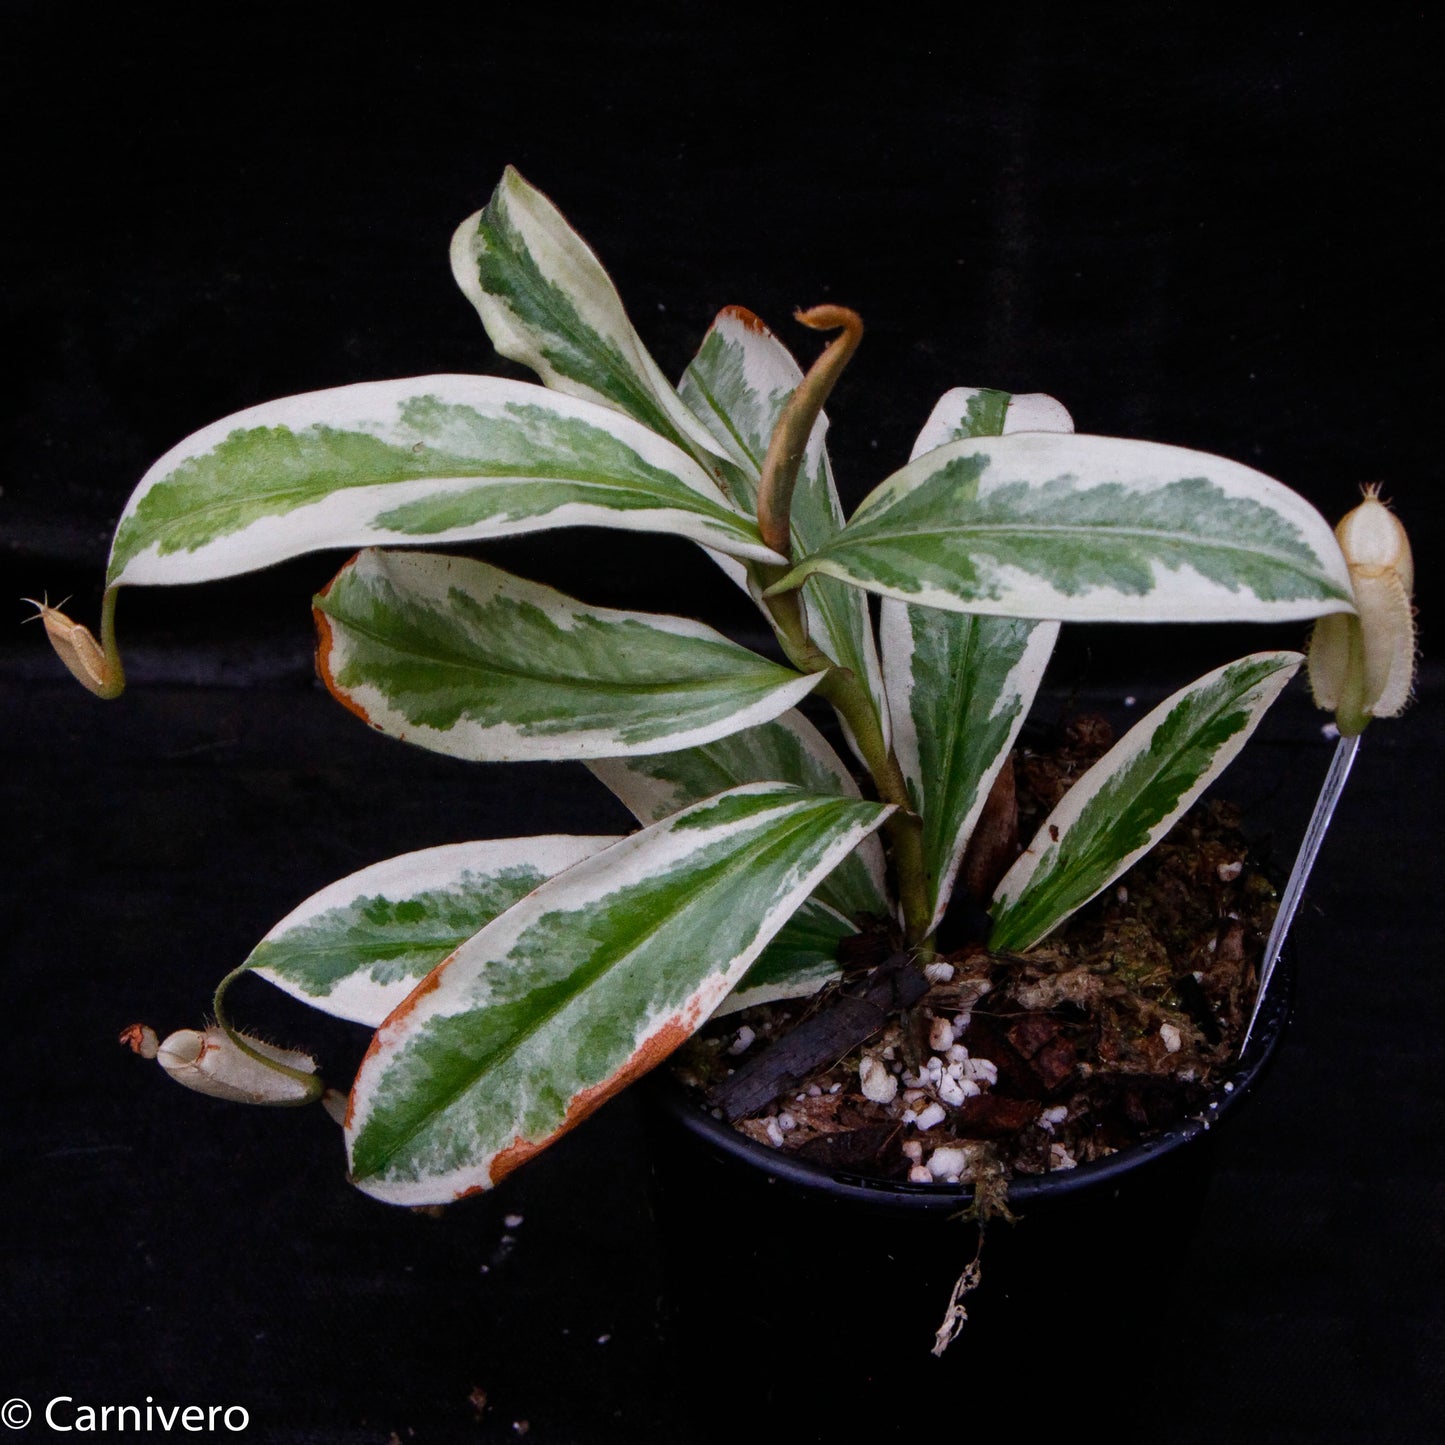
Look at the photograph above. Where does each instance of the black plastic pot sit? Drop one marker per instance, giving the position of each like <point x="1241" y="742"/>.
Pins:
<point x="817" y="1291"/>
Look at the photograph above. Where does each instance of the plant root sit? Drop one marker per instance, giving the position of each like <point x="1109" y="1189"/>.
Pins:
<point x="956" y="1316"/>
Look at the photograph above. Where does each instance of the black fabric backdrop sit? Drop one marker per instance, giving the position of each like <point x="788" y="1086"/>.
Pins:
<point x="1201" y="230"/>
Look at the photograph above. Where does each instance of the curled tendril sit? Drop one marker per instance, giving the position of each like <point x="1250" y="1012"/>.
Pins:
<point x="795" y="425"/>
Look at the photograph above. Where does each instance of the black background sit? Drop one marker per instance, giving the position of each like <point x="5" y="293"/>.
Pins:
<point x="1193" y="228"/>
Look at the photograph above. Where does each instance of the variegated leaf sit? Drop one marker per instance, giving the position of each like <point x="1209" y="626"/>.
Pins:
<point x="962" y="690"/>
<point x="582" y="986"/>
<point x="787" y="750"/>
<point x="960" y="686"/>
<point x="738" y="384"/>
<point x="357" y="948"/>
<point x="457" y="656"/>
<point x="546" y="302"/>
<point x="1131" y="797"/>
<point x="1085" y="528"/>
<point x="434" y="458"/>
<point x="797" y="963"/>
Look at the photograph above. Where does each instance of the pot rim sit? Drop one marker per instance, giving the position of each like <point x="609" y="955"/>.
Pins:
<point x="845" y="1184"/>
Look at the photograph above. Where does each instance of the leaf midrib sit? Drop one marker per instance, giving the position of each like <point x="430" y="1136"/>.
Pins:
<point x="145" y="534"/>
<point x="959" y="691"/>
<point x="373" y="952"/>
<point x="725" y="417"/>
<point x="566" y="681"/>
<point x="1080" y="529"/>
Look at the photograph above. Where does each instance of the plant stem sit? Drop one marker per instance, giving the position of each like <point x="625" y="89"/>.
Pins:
<point x="115" y="673"/>
<point x="854" y="704"/>
<point x="905" y="828"/>
<point x="850" y="698"/>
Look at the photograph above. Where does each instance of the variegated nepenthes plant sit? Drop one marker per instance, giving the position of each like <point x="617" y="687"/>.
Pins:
<point x="515" y="984"/>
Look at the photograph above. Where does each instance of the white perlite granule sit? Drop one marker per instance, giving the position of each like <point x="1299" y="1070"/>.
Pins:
<point x="948" y="1162"/>
<point x="876" y="1081"/>
<point x="1172" y="1041"/>
<point x="981" y="1071"/>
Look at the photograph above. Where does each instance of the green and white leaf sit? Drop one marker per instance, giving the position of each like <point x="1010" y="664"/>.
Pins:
<point x="457" y="656"/>
<point x="357" y="948"/>
<point x="433" y="458"/>
<point x="962" y="690"/>
<point x="1131" y="797"/>
<point x="959" y="685"/>
<point x="738" y="384"/>
<point x="583" y="985"/>
<point x="802" y="959"/>
<point x="787" y="750"/>
<point x="1085" y="528"/>
<point x="547" y="302"/>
